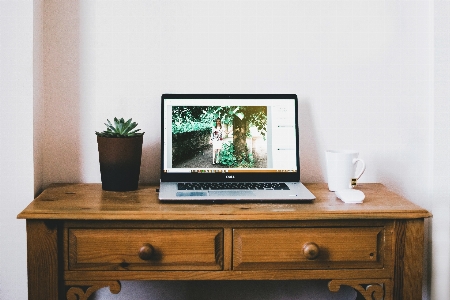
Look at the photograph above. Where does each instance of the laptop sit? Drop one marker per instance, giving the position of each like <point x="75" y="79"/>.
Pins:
<point x="230" y="148"/>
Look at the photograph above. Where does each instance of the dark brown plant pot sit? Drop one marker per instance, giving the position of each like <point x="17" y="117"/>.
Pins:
<point x="120" y="162"/>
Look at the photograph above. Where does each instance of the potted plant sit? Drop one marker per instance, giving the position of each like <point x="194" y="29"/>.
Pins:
<point x="120" y="152"/>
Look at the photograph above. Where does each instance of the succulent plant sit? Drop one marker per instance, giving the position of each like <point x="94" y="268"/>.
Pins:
<point x="120" y="129"/>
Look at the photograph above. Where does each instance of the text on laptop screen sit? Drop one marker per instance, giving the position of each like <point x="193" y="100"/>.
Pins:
<point x="229" y="136"/>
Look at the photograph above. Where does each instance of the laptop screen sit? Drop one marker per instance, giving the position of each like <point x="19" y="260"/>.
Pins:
<point x="229" y="137"/>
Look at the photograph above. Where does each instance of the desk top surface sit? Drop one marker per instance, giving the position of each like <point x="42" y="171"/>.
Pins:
<point x="90" y="202"/>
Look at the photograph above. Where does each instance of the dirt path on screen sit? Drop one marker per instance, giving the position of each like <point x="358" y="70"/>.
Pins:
<point x="203" y="159"/>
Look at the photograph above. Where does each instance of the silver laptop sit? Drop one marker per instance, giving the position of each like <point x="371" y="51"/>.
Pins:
<point x="225" y="148"/>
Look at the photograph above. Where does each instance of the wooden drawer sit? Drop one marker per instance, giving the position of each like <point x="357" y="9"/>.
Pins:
<point x="308" y="248"/>
<point x="145" y="249"/>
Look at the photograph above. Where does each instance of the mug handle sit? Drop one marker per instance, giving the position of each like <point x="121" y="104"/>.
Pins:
<point x="355" y="160"/>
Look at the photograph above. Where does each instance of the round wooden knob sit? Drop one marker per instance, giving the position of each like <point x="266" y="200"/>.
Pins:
<point x="310" y="250"/>
<point x="146" y="252"/>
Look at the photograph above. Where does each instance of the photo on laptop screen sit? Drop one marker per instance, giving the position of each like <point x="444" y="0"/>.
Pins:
<point x="229" y="135"/>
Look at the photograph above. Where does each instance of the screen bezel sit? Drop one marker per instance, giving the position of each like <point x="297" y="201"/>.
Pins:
<point x="231" y="177"/>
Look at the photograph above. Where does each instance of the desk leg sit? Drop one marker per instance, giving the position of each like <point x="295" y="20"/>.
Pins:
<point x="409" y="247"/>
<point x="43" y="260"/>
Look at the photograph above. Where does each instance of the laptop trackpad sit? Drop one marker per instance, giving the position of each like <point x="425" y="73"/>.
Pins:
<point x="192" y="194"/>
<point x="214" y="193"/>
<point x="230" y="193"/>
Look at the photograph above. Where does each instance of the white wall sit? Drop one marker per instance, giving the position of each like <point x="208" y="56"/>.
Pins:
<point x="441" y="151"/>
<point x="367" y="74"/>
<point x="16" y="142"/>
<point x="362" y="70"/>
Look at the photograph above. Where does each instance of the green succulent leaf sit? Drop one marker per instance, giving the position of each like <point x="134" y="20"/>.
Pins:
<point x="120" y="128"/>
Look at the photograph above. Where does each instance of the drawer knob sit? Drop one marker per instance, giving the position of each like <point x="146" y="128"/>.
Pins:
<point x="146" y="252"/>
<point x="310" y="250"/>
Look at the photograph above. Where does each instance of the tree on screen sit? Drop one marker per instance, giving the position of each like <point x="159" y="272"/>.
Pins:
<point x="191" y="118"/>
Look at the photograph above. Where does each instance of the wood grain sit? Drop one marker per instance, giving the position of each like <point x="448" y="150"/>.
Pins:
<point x="76" y="292"/>
<point x="90" y="202"/>
<point x="79" y="235"/>
<point x="282" y="248"/>
<point x="43" y="260"/>
<point x="409" y="252"/>
<point x="118" y="249"/>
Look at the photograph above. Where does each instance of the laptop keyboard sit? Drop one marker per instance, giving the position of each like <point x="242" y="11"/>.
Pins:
<point x="232" y="186"/>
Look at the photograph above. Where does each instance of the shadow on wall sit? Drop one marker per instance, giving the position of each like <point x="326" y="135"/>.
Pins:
<point x="310" y="168"/>
<point x="60" y="128"/>
<point x="225" y="290"/>
<point x="150" y="164"/>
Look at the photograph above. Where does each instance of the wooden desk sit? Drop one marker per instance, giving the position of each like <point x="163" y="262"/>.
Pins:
<point x="81" y="238"/>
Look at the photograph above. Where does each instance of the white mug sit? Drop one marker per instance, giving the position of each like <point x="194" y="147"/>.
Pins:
<point x="341" y="169"/>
